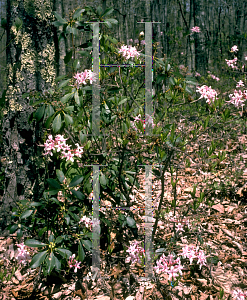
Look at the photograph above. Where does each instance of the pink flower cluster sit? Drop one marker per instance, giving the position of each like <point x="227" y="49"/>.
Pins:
<point x="195" y="29"/>
<point x="240" y="83"/>
<point x="129" y="52"/>
<point x="149" y="120"/>
<point x="234" y="49"/>
<point x="169" y="265"/>
<point x="232" y="63"/>
<point x="238" y="98"/>
<point x="179" y="225"/>
<point x="86" y="222"/>
<point x="82" y="77"/>
<point x="23" y="254"/>
<point x="74" y="263"/>
<point x="191" y="253"/>
<point x="239" y="295"/>
<point x="207" y="93"/>
<point x="197" y="74"/>
<point x="214" y="77"/>
<point x="135" y="251"/>
<point x="60" y="144"/>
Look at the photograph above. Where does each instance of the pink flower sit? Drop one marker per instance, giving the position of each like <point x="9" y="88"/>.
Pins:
<point x="129" y="52"/>
<point x="79" y="150"/>
<point x="239" y="294"/>
<point x="77" y="266"/>
<point x="197" y="75"/>
<point x="179" y="227"/>
<point x="82" y="77"/>
<point x="87" y="221"/>
<point x="207" y="93"/>
<point x="172" y="273"/>
<point x="240" y="83"/>
<point x="245" y="58"/>
<point x="232" y="63"/>
<point x="23" y="254"/>
<point x="68" y="156"/>
<point x="135" y="251"/>
<point x="131" y="40"/>
<point x="201" y="258"/>
<point x="238" y="98"/>
<point x="195" y="29"/>
<point x="234" y="49"/>
<point x="182" y="53"/>
<point x="143" y="42"/>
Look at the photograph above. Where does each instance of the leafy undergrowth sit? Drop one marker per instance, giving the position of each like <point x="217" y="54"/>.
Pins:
<point x="218" y="226"/>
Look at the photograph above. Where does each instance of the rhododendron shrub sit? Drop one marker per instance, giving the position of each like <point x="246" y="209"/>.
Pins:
<point x="73" y="153"/>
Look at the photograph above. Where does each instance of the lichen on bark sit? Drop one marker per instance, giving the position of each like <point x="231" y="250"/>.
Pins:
<point x="30" y="58"/>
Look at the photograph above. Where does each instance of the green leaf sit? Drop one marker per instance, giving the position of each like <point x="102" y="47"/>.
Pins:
<point x="64" y="252"/>
<point x="81" y="252"/>
<point x="108" y="11"/>
<point x="63" y="83"/>
<point x="172" y="81"/>
<point x="60" y="175"/>
<point x="77" y="64"/>
<point x="189" y="90"/>
<point x="53" y="183"/>
<point x="13" y="228"/>
<point x="76" y="180"/>
<point x="57" y="263"/>
<point x="50" y="261"/>
<point x="78" y="194"/>
<point x="87" y="244"/>
<point x="102" y="179"/>
<point x="41" y="232"/>
<point x="53" y="192"/>
<point x="26" y="214"/>
<point x="78" y="12"/>
<point x="69" y="109"/>
<point x="49" y="111"/>
<point x="59" y="239"/>
<point x="68" y="119"/>
<point x="83" y="137"/>
<point x="77" y="101"/>
<point x="66" y="97"/>
<point x="99" y="10"/>
<point x="49" y="120"/>
<point x="67" y="218"/>
<point x="59" y="18"/>
<point x="37" y="102"/>
<point x="34" y="243"/>
<point x="57" y="123"/>
<point x="112" y="21"/>
<point x="68" y="57"/>
<point x="39" y="113"/>
<point x="131" y="222"/>
<point x="38" y="259"/>
<point x="19" y="233"/>
<point x="60" y="78"/>
<point x="122" y="101"/>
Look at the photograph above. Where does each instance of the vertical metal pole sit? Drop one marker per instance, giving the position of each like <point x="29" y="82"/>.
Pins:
<point x="96" y="87"/>
<point x="148" y="77"/>
<point x="96" y="225"/>
<point x="148" y="169"/>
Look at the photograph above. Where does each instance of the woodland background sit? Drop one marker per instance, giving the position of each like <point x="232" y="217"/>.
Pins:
<point x="33" y="57"/>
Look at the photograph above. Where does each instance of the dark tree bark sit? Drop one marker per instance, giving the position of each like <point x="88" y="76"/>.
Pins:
<point x="30" y="59"/>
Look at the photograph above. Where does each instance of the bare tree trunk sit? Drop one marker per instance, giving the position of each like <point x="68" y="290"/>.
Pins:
<point x="30" y="66"/>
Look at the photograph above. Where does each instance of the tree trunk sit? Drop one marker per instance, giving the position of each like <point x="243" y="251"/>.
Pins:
<point x="30" y="57"/>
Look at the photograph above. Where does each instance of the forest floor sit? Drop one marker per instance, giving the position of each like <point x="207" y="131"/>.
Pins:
<point x="221" y="227"/>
